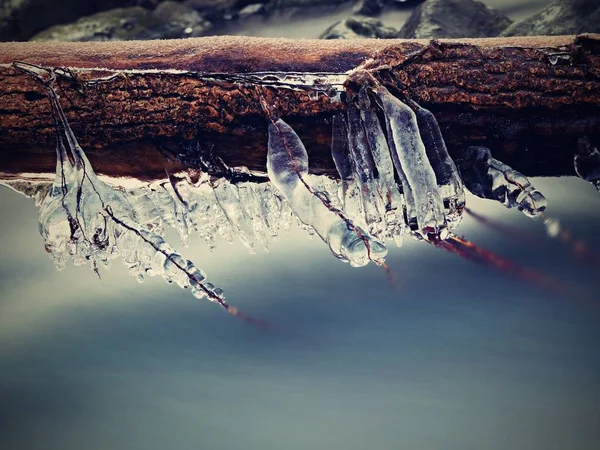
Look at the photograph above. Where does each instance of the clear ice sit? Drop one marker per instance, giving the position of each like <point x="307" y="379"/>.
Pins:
<point x="587" y="161"/>
<point x="448" y="179"/>
<point x="287" y="167"/>
<point x="487" y="177"/>
<point x="411" y="160"/>
<point x="86" y="219"/>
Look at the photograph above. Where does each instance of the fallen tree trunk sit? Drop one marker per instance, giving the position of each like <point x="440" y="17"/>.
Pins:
<point x="529" y="99"/>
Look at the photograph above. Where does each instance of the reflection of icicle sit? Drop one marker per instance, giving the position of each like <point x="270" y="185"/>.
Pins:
<point x="487" y="177"/>
<point x="287" y="166"/>
<point x="412" y="160"/>
<point x="388" y="189"/>
<point x="447" y="176"/>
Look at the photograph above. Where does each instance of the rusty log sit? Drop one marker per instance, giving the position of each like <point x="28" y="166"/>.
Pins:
<point x="131" y="103"/>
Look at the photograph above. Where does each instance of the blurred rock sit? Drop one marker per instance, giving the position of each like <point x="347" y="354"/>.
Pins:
<point x="359" y="28"/>
<point x="251" y="10"/>
<point x="369" y="7"/>
<point x="453" y="19"/>
<point x="211" y="8"/>
<point x="560" y="17"/>
<point x="21" y="19"/>
<point x="129" y="24"/>
<point x="294" y="3"/>
<point x="180" y="20"/>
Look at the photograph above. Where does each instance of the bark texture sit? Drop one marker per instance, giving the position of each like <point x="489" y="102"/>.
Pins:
<point x="528" y="99"/>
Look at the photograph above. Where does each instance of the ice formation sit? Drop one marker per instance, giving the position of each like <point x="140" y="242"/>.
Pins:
<point x="587" y="161"/>
<point x="409" y="155"/>
<point x="489" y="178"/>
<point x="287" y="166"/>
<point x="86" y="219"/>
<point x="396" y="178"/>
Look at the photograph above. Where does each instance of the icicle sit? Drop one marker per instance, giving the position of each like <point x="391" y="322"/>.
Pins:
<point x="55" y="224"/>
<point x="271" y="208"/>
<point x="350" y="194"/>
<point x="99" y="223"/>
<point x="145" y="209"/>
<point x="487" y="177"/>
<point x="339" y="148"/>
<point x="287" y="167"/>
<point x="411" y="160"/>
<point x="364" y="170"/>
<point x="587" y="161"/>
<point x="201" y="206"/>
<point x="173" y="210"/>
<point x="389" y="194"/>
<point x="447" y="176"/>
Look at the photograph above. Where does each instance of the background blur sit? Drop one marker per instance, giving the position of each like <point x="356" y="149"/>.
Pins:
<point x="153" y="19"/>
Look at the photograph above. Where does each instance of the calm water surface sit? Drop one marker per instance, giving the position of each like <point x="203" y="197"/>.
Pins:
<point x="459" y="357"/>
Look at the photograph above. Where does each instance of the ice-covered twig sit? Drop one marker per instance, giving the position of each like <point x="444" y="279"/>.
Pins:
<point x="85" y="218"/>
<point x="587" y="161"/>
<point x="489" y="178"/>
<point x="287" y="167"/>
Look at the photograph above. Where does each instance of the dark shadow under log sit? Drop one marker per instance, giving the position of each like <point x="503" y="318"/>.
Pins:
<point x="132" y="103"/>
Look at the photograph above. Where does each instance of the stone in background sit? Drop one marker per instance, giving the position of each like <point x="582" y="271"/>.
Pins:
<point x="453" y="19"/>
<point x="169" y="20"/>
<point x="359" y="28"/>
<point x="560" y="17"/>
<point x="21" y="19"/>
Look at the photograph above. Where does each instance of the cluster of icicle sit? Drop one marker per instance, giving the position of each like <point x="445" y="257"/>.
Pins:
<point x="396" y="178"/>
<point x="84" y="218"/>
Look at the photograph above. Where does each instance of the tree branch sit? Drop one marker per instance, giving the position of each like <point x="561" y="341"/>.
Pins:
<point x="529" y="99"/>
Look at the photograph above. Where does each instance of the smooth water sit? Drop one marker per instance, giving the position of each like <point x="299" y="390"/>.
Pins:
<point x="457" y="356"/>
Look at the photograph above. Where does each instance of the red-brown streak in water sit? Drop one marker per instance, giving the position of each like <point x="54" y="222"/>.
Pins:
<point x="579" y="248"/>
<point x="473" y="252"/>
<point x="521" y="236"/>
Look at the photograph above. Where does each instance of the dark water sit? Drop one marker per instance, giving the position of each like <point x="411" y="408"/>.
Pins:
<point x="459" y="357"/>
